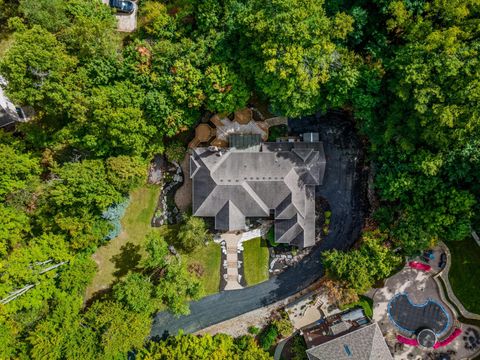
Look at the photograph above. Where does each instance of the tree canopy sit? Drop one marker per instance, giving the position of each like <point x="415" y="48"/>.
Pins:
<point x="405" y="72"/>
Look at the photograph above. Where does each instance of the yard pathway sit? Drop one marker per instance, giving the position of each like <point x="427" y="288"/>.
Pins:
<point x="231" y="241"/>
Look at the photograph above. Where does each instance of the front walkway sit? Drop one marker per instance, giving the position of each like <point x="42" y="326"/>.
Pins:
<point x="232" y="265"/>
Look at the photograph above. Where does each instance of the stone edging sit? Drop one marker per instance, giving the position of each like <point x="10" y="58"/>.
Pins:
<point x="443" y="277"/>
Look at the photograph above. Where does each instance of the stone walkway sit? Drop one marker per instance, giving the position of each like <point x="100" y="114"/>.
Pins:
<point x="233" y="281"/>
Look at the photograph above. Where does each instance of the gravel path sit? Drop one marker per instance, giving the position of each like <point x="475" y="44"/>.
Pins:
<point x="341" y="187"/>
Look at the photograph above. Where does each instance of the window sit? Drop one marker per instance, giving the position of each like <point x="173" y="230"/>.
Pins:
<point x="347" y="350"/>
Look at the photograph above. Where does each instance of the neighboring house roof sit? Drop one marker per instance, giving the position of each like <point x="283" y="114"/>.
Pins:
<point x="233" y="184"/>
<point x="8" y="112"/>
<point x="365" y="343"/>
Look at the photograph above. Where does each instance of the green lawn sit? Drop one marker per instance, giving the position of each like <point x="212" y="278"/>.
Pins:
<point x="124" y="253"/>
<point x="465" y="273"/>
<point x="210" y="258"/>
<point x="255" y="261"/>
<point x="364" y="302"/>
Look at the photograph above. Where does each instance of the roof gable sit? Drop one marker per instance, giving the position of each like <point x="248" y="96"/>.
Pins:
<point x="365" y="343"/>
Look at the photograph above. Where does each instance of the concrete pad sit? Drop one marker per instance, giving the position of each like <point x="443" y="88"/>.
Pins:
<point x="126" y="22"/>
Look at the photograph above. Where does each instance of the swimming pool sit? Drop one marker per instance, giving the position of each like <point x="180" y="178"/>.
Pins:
<point x="411" y="317"/>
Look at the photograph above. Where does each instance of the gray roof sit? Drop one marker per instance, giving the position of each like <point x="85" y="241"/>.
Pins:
<point x="365" y="343"/>
<point x="8" y="112"/>
<point x="231" y="185"/>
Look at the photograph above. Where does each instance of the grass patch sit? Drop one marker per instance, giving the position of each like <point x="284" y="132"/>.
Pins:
<point x="255" y="261"/>
<point x="364" y="302"/>
<point x="465" y="272"/>
<point x="125" y="252"/>
<point x="210" y="258"/>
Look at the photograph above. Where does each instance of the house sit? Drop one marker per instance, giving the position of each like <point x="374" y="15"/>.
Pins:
<point x="255" y="179"/>
<point x="363" y="343"/>
<point x="9" y="113"/>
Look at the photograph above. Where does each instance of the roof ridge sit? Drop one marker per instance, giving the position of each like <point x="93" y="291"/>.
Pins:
<point x="192" y="159"/>
<point x="295" y="229"/>
<point x="255" y="197"/>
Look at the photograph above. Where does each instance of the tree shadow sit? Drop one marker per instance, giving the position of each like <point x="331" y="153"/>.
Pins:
<point x="98" y="295"/>
<point x="128" y="259"/>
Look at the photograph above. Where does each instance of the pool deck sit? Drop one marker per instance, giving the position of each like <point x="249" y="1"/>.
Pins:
<point x="420" y="287"/>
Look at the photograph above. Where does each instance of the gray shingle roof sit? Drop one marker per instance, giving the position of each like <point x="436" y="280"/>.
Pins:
<point x="365" y="343"/>
<point x="231" y="185"/>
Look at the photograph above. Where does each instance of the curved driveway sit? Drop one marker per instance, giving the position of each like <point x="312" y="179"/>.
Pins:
<point x="341" y="187"/>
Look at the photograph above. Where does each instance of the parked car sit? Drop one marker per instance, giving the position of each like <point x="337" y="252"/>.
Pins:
<point x="123" y="6"/>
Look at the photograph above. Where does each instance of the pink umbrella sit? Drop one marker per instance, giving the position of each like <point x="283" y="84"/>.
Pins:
<point x="449" y="339"/>
<point x="419" y="266"/>
<point x="407" y="341"/>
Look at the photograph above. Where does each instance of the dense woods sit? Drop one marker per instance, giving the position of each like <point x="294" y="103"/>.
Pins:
<point x="408" y="72"/>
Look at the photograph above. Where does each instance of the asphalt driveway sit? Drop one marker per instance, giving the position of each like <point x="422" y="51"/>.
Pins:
<point x="341" y="187"/>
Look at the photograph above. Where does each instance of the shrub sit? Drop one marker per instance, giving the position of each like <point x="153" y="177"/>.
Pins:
<point x="253" y="330"/>
<point x="175" y="152"/>
<point x="192" y="234"/>
<point x="114" y="214"/>
<point x="271" y="238"/>
<point x="268" y="337"/>
<point x="277" y="131"/>
<point x="298" y="348"/>
<point x="284" y="326"/>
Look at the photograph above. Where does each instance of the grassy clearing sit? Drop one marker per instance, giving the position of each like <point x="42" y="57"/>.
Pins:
<point x="255" y="261"/>
<point x="124" y="253"/>
<point x="465" y="272"/>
